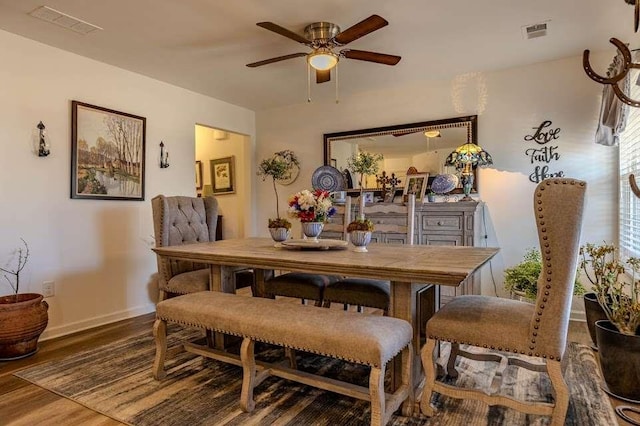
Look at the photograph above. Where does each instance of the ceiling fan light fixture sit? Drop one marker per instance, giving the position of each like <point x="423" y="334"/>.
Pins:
<point x="322" y="59"/>
<point x="432" y="133"/>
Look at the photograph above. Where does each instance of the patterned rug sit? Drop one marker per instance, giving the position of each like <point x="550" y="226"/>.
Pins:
<point x="116" y="380"/>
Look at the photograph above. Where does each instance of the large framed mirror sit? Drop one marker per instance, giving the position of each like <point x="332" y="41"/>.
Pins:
<point x="422" y="147"/>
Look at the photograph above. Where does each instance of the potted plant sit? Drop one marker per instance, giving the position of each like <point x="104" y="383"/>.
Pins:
<point x="618" y="337"/>
<point x="360" y="234"/>
<point x="278" y="167"/>
<point x="23" y="317"/>
<point x="313" y="209"/>
<point x="364" y="163"/>
<point x="431" y="196"/>
<point x="522" y="280"/>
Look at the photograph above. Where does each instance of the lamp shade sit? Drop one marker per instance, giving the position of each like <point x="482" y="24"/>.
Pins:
<point x="322" y="59"/>
<point x="469" y="153"/>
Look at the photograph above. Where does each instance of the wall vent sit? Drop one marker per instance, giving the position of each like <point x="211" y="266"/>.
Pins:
<point x="53" y="16"/>
<point x="535" y="30"/>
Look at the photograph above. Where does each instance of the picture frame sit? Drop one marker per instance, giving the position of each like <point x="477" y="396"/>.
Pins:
<point x="334" y="162"/>
<point x="417" y="185"/>
<point x="107" y="153"/>
<point x="198" y="174"/>
<point x="223" y="175"/>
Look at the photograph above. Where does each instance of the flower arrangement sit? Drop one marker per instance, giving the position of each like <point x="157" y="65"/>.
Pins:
<point x="523" y="277"/>
<point x="310" y="206"/>
<point x="618" y="295"/>
<point x="279" y="167"/>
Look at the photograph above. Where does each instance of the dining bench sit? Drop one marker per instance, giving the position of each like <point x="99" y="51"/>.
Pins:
<point x="370" y="340"/>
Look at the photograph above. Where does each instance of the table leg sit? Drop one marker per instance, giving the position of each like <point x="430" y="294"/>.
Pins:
<point x="221" y="278"/>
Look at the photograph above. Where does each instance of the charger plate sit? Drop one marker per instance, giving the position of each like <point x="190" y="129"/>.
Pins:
<point x="309" y="244"/>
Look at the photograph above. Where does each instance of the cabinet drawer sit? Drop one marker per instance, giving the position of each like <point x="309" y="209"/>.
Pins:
<point x="442" y="223"/>
<point x="442" y="240"/>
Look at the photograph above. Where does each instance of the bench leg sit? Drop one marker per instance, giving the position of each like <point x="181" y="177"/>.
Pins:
<point x="378" y="397"/>
<point x="291" y="354"/>
<point x="160" y="334"/>
<point x="247" y="404"/>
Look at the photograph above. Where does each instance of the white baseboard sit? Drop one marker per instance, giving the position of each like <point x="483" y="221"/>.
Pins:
<point x="51" y="333"/>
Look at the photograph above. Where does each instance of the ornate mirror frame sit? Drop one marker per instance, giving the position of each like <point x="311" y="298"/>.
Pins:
<point x="470" y="122"/>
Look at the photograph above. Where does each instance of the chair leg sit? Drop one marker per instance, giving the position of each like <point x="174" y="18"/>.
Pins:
<point x="247" y="404"/>
<point x="428" y="364"/>
<point x="376" y="391"/>
<point x="160" y="334"/>
<point x="318" y="303"/>
<point x="451" y="363"/>
<point x="561" y="393"/>
<point x="291" y="355"/>
<point x="326" y="304"/>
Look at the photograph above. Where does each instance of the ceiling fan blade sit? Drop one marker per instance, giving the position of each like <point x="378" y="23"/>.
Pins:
<point x="361" y="29"/>
<point x="323" y="76"/>
<point x="363" y="55"/>
<point x="278" y="59"/>
<point x="283" y="32"/>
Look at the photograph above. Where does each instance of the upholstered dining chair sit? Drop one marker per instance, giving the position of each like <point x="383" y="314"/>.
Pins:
<point x="394" y="222"/>
<point x="504" y="325"/>
<point x="305" y="286"/>
<point x="183" y="220"/>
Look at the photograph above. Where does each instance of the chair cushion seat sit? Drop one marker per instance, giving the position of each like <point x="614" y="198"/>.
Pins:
<point x="299" y="285"/>
<point x="484" y="321"/>
<point x="188" y="282"/>
<point x="359" y="291"/>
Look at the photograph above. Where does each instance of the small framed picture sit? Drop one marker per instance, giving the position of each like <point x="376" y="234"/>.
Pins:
<point x="417" y="185"/>
<point x="198" y="174"/>
<point x="222" y="175"/>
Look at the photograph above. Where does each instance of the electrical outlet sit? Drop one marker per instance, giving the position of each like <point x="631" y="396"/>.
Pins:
<point x="49" y="288"/>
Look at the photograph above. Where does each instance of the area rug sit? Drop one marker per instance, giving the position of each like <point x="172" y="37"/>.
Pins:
<point x="116" y="380"/>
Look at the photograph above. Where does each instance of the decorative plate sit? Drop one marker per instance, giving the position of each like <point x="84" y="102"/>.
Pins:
<point x="310" y="244"/>
<point x="327" y="178"/>
<point x="444" y="183"/>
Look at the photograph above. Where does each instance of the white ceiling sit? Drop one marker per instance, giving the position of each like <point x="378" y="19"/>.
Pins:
<point x="203" y="45"/>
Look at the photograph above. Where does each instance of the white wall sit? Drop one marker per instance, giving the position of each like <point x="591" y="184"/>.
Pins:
<point x="509" y="104"/>
<point x="98" y="252"/>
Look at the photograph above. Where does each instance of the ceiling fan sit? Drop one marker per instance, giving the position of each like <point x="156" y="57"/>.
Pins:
<point x="323" y="37"/>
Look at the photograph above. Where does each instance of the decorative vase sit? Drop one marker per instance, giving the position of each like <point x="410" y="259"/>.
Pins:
<point x="279" y="234"/>
<point x="620" y="361"/>
<point x="431" y="198"/>
<point x="23" y="318"/>
<point x="360" y="239"/>
<point x="312" y="229"/>
<point x="593" y="312"/>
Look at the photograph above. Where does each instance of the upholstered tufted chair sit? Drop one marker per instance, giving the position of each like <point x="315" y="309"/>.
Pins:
<point x="388" y="219"/>
<point x="505" y="325"/>
<point x="183" y="220"/>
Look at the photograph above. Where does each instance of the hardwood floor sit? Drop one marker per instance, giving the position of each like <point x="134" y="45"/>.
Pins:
<point x="22" y="403"/>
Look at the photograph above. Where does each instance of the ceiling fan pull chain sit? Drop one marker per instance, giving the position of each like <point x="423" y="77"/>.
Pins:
<point x="337" y="100"/>
<point x="308" y="82"/>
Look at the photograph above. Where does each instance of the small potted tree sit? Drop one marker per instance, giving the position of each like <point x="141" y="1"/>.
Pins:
<point x="364" y="163"/>
<point x="23" y="317"/>
<point x="278" y="167"/>
<point x="360" y="234"/>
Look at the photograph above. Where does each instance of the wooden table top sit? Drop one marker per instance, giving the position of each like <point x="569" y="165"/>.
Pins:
<point x="445" y="265"/>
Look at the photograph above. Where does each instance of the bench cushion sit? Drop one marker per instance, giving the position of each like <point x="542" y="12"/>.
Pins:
<point x="365" y="339"/>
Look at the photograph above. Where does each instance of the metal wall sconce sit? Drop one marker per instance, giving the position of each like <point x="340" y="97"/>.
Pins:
<point x="43" y="143"/>
<point x="164" y="157"/>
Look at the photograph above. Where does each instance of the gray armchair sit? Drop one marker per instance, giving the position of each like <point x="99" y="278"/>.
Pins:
<point x="183" y="220"/>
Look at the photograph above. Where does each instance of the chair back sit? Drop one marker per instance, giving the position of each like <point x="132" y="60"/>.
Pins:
<point x="339" y="222"/>
<point x="393" y="220"/>
<point x="182" y="220"/>
<point x="558" y="207"/>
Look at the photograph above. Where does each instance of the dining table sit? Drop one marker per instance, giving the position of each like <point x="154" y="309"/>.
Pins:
<point x="409" y="268"/>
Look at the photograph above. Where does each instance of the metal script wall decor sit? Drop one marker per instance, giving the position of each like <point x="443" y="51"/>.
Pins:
<point x="543" y="155"/>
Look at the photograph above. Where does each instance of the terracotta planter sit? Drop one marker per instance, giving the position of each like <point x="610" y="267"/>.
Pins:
<point x="22" y="319"/>
<point x="594" y="312"/>
<point x="620" y="361"/>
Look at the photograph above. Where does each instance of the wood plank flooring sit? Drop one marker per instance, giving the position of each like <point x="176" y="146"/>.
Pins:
<point x="22" y="403"/>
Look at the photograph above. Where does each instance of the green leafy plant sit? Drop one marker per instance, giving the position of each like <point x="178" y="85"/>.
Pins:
<point x="360" y="225"/>
<point x="617" y="293"/>
<point x="365" y="163"/>
<point x="523" y="278"/>
<point x="23" y="257"/>
<point x="278" y="167"/>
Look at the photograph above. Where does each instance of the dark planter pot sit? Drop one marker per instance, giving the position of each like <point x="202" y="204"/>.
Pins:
<point x="594" y="312"/>
<point x="620" y="361"/>
<point x="23" y="318"/>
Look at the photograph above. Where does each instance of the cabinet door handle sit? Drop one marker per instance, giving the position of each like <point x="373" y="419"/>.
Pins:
<point x="440" y="223"/>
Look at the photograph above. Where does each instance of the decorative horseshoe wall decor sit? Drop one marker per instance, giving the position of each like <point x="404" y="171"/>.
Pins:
<point x="634" y="185"/>
<point x="627" y="64"/>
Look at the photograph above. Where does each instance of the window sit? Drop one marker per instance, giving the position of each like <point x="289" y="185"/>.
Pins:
<point x="629" y="233"/>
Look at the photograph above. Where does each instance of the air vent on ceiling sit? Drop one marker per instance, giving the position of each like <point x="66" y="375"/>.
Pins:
<point x="67" y="21"/>
<point x="535" y="30"/>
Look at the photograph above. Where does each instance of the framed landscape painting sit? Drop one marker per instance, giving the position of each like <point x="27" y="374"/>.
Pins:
<point x="222" y="175"/>
<point x="107" y="153"/>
